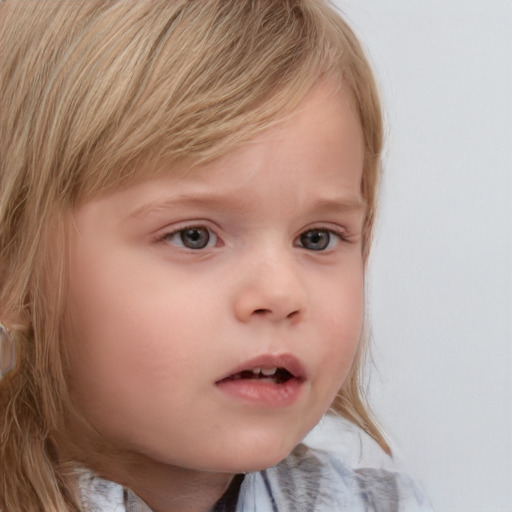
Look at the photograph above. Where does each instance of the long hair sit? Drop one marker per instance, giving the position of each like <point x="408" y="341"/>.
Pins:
<point x="88" y="90"/>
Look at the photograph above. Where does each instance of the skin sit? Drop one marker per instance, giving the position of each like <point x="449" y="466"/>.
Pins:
<point x="153" y="325"/>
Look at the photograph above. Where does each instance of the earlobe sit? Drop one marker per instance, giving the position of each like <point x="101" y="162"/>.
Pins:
<point x="7" y="351"/>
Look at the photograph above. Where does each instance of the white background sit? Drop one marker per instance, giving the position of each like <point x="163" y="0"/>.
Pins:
<point x="441" y="274"/>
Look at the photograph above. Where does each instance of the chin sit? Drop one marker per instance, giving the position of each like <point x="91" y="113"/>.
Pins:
<point x="260" y="448"/>
<point x="254" y="457"/>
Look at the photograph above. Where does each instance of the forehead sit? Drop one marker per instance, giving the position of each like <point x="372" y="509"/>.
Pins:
<point x="325" y="127"/>
<point x="108" y="170"/>
<point x="314" y="154"/>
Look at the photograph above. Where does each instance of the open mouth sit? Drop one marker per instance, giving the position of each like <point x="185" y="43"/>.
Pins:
<point x="273" y="375"/>
<point x="269" y="381"/>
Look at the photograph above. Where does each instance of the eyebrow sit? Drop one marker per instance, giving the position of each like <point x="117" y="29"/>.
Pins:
<point x="227" y="202"/>
<point x="354" y="204"/>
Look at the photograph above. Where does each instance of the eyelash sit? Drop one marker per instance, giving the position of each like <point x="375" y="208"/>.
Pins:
<point x="168" y="236"/>
<point x="338" y="235"/>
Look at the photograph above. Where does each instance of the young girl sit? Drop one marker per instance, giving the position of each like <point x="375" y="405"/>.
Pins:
<point x="188" y="191"/>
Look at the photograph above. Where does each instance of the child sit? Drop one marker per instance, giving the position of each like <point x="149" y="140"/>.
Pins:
<point x="188" y="193"/>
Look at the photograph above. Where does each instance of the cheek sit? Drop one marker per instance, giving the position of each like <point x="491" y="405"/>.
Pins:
<point x="131" y="330"/>
<point x="342" y="314"/>
<point x="107" y="339"/>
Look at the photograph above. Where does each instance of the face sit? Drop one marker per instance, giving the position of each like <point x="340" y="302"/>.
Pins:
<point x="213" y="315"/>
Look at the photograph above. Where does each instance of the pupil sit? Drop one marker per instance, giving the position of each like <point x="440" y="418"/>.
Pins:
<point x="195" y="238"/>
<point x="315" y="240"/>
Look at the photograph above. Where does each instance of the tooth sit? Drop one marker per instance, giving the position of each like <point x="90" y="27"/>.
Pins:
<point x="256" y="371"/>
<point x="268" y="371"/>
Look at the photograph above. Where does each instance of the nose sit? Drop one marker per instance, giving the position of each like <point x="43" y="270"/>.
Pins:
<point x="271" y="288"/>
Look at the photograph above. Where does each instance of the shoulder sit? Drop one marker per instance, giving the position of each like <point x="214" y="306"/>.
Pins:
<point x="312" y="479"/>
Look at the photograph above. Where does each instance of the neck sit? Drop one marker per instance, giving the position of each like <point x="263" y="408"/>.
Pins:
<point x="163" y="487"/>
<point x="167" y="488"/>
<point x="178" y="490"/>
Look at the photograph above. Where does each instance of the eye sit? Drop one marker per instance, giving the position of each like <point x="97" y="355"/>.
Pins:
<point x="193" y="237"/>
<point x="318" y="239"/>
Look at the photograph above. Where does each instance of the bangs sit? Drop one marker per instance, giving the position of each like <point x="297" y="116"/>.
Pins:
<point x="145" y="82"/>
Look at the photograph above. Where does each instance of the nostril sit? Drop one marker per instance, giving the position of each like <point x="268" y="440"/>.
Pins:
<point x="264" y="312"/>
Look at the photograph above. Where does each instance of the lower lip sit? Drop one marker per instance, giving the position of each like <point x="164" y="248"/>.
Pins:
<point x="266" y="394"/>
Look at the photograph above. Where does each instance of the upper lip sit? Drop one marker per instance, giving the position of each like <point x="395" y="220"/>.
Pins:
<point x="267" y="361"/>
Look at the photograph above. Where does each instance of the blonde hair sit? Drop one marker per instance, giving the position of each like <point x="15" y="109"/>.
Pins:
<point x="91" y="88"/>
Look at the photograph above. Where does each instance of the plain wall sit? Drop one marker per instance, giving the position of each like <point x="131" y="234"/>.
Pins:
<point x="440" y="278"/>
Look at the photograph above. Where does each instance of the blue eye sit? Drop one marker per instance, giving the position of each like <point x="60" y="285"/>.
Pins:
<point x="194" y="237"/>
<point x="318" y="239"/>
